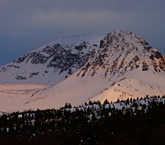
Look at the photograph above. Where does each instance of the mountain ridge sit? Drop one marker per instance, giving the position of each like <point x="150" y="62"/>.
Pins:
<point x="122" y="66"/>
<point x="52" y="62"/>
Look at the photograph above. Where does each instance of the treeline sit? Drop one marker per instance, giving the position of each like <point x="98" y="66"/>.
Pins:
<point x="129" y="122"/>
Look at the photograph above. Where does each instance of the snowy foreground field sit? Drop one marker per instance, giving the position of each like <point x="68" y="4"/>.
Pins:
<point x="130" y="122"/>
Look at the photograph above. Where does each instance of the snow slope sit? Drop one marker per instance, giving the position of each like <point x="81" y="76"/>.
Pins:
<point x="14" y="97"/>
<point x="129" y="88"/>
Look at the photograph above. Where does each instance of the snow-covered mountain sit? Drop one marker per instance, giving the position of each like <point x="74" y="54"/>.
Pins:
<point x="51" y="63"/>
<point x="122" y="66"/>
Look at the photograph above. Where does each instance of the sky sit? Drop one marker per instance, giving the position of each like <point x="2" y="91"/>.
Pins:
<point x="28" y="24"/>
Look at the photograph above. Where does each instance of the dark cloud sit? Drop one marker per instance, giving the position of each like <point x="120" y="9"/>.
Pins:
<point x="27" y="24"/>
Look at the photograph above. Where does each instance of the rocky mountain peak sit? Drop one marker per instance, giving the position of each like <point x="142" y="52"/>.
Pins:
<point x="121" y="52"/>
<point x="118" y="37"/>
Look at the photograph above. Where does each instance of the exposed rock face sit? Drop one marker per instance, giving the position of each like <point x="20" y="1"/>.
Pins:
<point x="121" y="52"/>
<point x="49" y="64"/>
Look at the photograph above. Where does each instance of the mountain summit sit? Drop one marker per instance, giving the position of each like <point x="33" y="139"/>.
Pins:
<point x="120" y="66"/>
<point x="122" y="52"/>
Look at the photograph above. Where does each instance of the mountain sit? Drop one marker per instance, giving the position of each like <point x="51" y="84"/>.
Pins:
<point x="50" y="63"/>
<point x="123" y="66"/>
